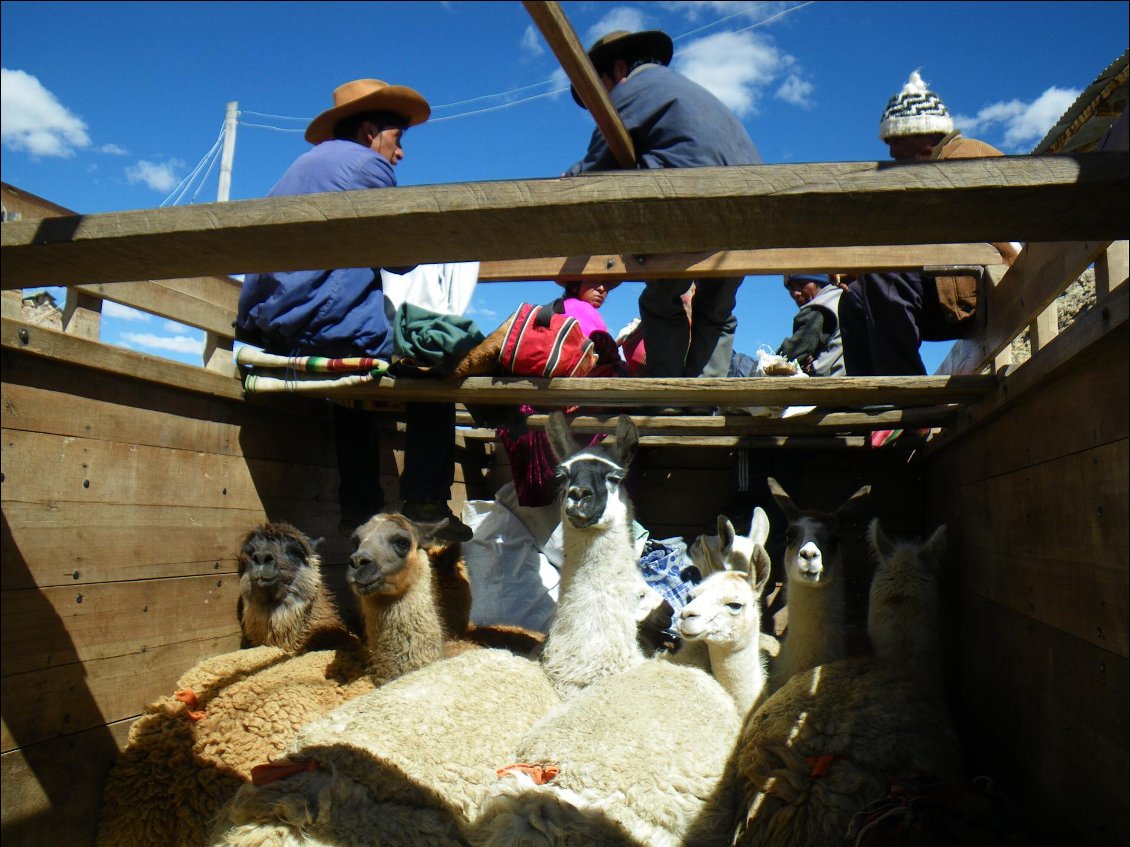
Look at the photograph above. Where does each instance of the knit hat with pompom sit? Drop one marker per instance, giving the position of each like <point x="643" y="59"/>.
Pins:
<point x="915" y="111"/>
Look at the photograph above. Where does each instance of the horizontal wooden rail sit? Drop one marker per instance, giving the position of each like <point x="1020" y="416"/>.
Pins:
<point x="740" y="262"/>
<point x="1072" y="197"/>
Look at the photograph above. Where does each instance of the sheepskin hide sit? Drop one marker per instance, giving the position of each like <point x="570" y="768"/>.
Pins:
<point x="643" y="758"/>
<point x="872" y="722"/>
<point x="403" y="766"/>
<point x="176" y="773"/>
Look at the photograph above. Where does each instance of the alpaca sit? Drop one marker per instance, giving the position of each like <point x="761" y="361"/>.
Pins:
<point x="221" y="724"/>
<point x="283" y="602"/>
<point x="406" y="765"/>
<point x="902" y="613"/>
<point x="814" y="586"/>
<point x="725" y="612"/>
<point x="594" y="630"/>
<point x="829" y="742"/>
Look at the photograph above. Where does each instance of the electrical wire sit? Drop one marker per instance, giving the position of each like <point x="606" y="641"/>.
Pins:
<point x="187" y="181"/>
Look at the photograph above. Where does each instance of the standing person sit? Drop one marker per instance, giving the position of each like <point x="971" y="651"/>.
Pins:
<point x="342" y="312"/>
<point x="674" y="123"/>
<point x="884" y="317"/>
<point x="816" y="342"/>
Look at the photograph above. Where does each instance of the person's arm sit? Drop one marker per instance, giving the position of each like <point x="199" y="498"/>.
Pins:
<point x="597" y="158"/>
<point x="808" y="337"/>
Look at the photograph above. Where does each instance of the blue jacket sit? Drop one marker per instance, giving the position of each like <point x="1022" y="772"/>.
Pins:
<point x="674" y="123"/>
<point x="338" y="312"/>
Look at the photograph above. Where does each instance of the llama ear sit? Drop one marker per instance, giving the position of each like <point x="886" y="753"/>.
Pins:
<point x="881" y="546"/>
<point x="854" y="505"/>
<point x="760" y="566"/>
<point x="560" y="436"/>
<point x="725" y="537"/>
<point x="783" y="499"/>
<point x="759" y="527"/>
<point x="627" y="440"/>
<point x="934" y="550"/>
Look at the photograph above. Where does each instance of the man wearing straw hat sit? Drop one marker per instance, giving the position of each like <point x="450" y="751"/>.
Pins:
<point x="342" y="312"/>
<point x="673" y="123"/>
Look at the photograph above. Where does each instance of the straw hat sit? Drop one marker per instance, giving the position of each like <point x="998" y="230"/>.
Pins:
<point x="368" y="95"/>
<point x="620" y="42"/>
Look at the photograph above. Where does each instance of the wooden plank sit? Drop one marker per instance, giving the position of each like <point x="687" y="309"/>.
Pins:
<point x="1015" y="527"/>
<point x="563" y="41"/>
<point x="176" y="299"/>
<point x="104" y="407"/>
<point x="686" y="210"/>
<point x="59" y="626"/>
<point x="37" y="704"/>
<point x="82" y="315"/>
<point x="75" y="544"/>
<point x="1111" y="268"/>
<point x="737" y="392"/>
<point x="727" y="263"/>
<point x="103" y="357"/>
<point x="1046" y="327"/>
<point x="53" y="790"/>
<point x="1052" y="707"/>
<point x="1038" y="276"/>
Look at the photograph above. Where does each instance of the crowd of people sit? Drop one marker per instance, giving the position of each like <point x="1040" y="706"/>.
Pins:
<point x="859" y="325"/>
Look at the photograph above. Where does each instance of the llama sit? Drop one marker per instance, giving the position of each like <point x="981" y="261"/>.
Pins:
<point x="902" y="613"/>
<point x="827" y="743"/>
<point x="624" y="773"/>
<point x="594" y="630"/>
<point x="190" y="752"/>
<point x="814" y="585"/>
<point x="725" y="612"/>
<point x="283" y="602"/>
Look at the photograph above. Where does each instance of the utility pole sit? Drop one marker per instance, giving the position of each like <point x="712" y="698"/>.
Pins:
<point x="229" y="152"/>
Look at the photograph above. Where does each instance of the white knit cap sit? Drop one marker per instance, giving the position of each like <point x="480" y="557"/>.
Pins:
<point x="915" y="111"/>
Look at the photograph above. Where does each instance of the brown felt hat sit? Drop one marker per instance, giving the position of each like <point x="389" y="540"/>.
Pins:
<point x="652" y="42"/>
<point x="368" y="95"/>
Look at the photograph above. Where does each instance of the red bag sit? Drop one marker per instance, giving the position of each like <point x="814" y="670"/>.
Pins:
<point x="540" y="342"/>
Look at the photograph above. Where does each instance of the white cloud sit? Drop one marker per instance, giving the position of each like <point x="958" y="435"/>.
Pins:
<point x="796" y="91"/>
<point x="173" y="343"/>
<point x="1021" y="124"/>
<point x="33" y="120"/>
<point x="160" y="176"/>
<point x="110" y="309"/>
<point x="735" y="66"/>
<point x="113" y="149"/>
<point x="620" y="17"/>
<point x="531" y="41"/>
<point x="697" y="9"/>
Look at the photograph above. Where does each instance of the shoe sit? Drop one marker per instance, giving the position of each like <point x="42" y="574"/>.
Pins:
<point x="436" y="520"/>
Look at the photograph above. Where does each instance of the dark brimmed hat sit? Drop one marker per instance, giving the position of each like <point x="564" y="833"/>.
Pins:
<point x="819" y="279"/>
<point x="368" y="95"/>
<point x="652" y="43"/>
<point x="609" y="284"/>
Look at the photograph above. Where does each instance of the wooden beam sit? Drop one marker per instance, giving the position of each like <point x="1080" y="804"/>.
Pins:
<point x="658" y="211"/>
<point x="1038" y="276"/>
<point x="826" y="392"/>
<point x="563" y="41"/>
<point x="728" y="263"/>
<point x="207" y="303"/>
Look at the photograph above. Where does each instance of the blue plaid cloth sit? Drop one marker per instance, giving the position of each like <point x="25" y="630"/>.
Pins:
<point x="667" y="568"/>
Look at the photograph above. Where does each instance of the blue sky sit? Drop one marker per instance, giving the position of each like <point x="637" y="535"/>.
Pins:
<point x="113" y="106"/>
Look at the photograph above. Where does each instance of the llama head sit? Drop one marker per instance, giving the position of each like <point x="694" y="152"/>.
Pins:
<point x="387" y="559"/>
<point x="905" y="567"/>
<point x="813" y="537"/>
<point x="593" y="496"/>
<point x="725" y="608"/>
<point x="278" y="563"/>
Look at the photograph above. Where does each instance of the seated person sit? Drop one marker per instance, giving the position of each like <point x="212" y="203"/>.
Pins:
<point x="815" y="343"/>
<point x="582" y="301"/>
<point x="342" y="312"/>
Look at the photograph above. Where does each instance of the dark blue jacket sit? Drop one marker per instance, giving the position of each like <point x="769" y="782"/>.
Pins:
<point x="674" y="123"/>
<point x="337" y="312"/>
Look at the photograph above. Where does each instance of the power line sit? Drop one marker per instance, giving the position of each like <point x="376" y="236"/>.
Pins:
<point x="187" y="181"/>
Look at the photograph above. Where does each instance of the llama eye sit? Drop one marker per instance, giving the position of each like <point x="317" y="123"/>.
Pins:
<point x="616" y="478"/>
<point x="734" y="607"/>
<point x="401" y="546"/>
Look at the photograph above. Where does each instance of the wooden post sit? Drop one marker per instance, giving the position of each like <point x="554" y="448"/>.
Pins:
<point x="1046" y="327"/>
<point x="1112" y="266"/>
<point x="230" y="121"/>
<point x="82" y="314"/>
<point x="563" y="41"/>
